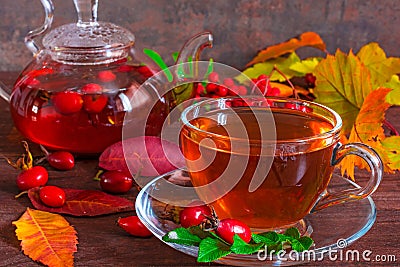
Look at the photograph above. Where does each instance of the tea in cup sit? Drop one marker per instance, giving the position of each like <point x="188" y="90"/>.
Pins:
<point x="268" y="161"/>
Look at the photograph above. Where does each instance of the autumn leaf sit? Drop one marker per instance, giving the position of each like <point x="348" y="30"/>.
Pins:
<point x="306" y="39"/>
<point x="46" y="237"/>
<point x="84" y="202"/>
<point x="305" y="66"/>
<point x="342" y="84"/>
<point x="368" y="130"/>
<point x="382" y="68"/>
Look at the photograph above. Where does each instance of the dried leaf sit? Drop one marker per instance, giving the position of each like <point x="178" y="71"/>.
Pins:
<point x="342" y="84"/>
<point x="368" y="129"/>
<point x="47" y="238"/>
<point x="149" y="155"/>
<point x="84" y="203"/>
<point x="306" y="39"/>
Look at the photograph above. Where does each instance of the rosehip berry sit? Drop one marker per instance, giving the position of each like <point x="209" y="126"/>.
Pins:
<point x="211" y="87"/>
<point x="194" y="215"/>
<point x="274" y="91"/>
<point x="242" y="90"/>
<point x="52" y="196"/>
<point x="116" y="182"/>
<point x="61" y="160"/>
<point x="222" y="91"/>
<point x="106" y="76"/>
<point x="92" y="88"/>
<point x="227" y="228"/>
<point x="32" y="177"/>
<point x="67" y="102"/>
<point x="94" y="103"/>
<point x="213" y="77"/>
<point x="228" y="82"/>
<point x="134" y="226"/>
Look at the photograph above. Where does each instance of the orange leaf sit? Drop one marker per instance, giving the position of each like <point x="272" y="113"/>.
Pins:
<point x="306" y="39"/>
<point x="46" y="237"/>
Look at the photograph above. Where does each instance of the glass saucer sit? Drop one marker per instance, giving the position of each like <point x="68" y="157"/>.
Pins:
<point x="333" y="228"/>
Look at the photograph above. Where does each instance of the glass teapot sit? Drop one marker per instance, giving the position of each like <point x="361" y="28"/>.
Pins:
<point x="75" y="92"/>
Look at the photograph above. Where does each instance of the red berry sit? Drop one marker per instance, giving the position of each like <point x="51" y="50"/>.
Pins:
<point x="115" y="182"/>
<point x="125" y="68"/>
<point x="106" y="76"/>
<point x="310" y="79"/>
<point x="134" y="226"/>
<point x="61" y="160"/>
<point x="211" y="87"/>
<point x="52" y="196"/>
<point x="274" y="91"/>
<point x="242" y="90"/>
<point x="194" y="215"/>
<point x="94" y="103"/>
<point x="32" y="177"/>
<point x="213" y="77"/>
<point x="222" y="91"/>
<point x="92" y="88"/>
<point x="227" y="228"/>
<point x="67" y="102"/>
<point x="200" y="90"/>
<point x="228" y="82"/>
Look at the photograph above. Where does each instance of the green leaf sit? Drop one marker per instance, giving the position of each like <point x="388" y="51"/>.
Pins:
<point x="282" y="63"/>
<point x="212" y="249"/>
<point x="393" y="97"/>
<point x="342" y="84"/>
<point x="241" y="247"/>
<point x="267" y="238"/>
<point x="305" y="66"/>
<point x="392" y="147"/>
<point x="381" y="67"/>
<point x="160" y="62"/>
<point x="292" y="232"/>
<point x="182" y="236"/>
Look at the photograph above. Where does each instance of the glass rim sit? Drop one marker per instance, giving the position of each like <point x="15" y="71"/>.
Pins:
<point x="334" y="132"/>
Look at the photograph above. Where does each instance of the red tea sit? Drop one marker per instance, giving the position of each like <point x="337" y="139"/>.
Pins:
<point x="297" y="177"/>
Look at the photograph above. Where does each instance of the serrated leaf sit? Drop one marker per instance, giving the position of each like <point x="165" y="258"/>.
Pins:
<point x="241" y="247"/>
<point x="211" y="249"/>
<point x="301" y="244"/>
<point x="282" y="63"/>
<point x="342" y="84"/>
<point x="381" y="67"/>
<point x="84" y="202"/>
<point x="306" y="39"/>
<point x="393" y="97"/>
<point x="292" y="232"/>
<point x="368" y="130"/>
<point x="267" y="237"/>
<point x="182" y="236"/>
<point x="305" y="66"/>
<point x="47" y="238"/>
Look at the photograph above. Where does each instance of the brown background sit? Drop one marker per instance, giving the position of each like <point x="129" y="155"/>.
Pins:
<point x="240" y="27"/>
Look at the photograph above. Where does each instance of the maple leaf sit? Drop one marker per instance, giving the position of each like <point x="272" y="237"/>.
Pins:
<point x="382" y="68"/>
<point x="46" y="237"/>
<point x="368" y="130"/>
<point x="342" y="83"/>
<point x="305" y="39"/>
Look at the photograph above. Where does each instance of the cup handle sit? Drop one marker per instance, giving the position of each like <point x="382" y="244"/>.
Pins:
<point x="373" y="160"/>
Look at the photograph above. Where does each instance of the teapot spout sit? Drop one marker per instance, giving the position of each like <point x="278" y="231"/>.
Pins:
<point x="194" y="46"/>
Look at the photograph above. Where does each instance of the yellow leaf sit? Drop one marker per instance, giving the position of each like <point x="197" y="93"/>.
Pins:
<point x="368" y="130"/>
<point x="306" y="39"/>
<point x="285" y="90"/>
<point x="46" y="237"/>
<point x="342" y="84"/>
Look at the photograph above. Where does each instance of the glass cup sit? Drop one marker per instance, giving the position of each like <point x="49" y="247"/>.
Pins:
<point x="268" y="161"/>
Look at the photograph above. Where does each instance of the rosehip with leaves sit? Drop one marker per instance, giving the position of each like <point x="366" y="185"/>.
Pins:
<point x="227" y="228"/>
<point x="52" y="196"/>
<point x="134" y="226"/>
<point x="31" y="176"/>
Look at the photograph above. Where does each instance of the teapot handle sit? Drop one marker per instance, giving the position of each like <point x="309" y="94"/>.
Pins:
<point x="30" y="37"/>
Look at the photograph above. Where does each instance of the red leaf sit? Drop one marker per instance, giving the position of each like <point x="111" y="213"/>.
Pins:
<point x="84" y="203"/>
<point x="149" y="155"/>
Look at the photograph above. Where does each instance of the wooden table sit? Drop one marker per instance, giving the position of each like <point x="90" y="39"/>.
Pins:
<point x="102" y="243"/>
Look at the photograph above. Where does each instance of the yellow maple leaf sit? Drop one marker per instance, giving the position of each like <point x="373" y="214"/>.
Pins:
<point x="368" y="129"/>
<point x="46" y="237"/>
<point x="305" y="39"/>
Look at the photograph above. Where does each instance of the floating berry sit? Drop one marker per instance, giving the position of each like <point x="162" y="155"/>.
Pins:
<point x="92" y="88"/>
<point x="52" y="196"/>
<point x="117" y="182"/>
<point x="213" y="77"/>
<point x="227" y="228"/>
<point x="134" y="226"/>
<point x="106" y="76"/>
<point x="93" y="100"/>
<point x="67" y="102"/>
<point x="194" y="215"/>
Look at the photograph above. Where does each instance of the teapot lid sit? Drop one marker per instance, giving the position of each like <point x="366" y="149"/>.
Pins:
<point x="87" y="36"/>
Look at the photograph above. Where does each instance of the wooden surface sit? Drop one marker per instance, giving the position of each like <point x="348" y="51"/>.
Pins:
<point x="102" y="243"/>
